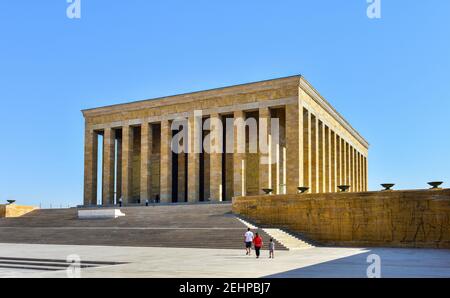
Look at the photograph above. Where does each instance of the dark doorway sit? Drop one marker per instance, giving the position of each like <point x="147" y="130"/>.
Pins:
<point x="202" y="175"/>
<point x="224" y="160"/>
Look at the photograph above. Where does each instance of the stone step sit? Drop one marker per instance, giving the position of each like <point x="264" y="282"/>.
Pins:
<point x="189" y="226"/>
<point x="289" y="241"/>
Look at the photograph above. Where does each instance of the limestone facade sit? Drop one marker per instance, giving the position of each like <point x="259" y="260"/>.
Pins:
<point x="317" y="147"/>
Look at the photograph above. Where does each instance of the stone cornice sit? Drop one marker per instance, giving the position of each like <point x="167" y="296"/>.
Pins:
<point x="292" y="81"/>
<point x="308" y="88"/>
<point x="221" y="110"/>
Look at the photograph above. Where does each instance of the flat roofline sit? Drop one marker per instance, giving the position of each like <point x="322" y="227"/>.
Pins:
<point x="298" y="76"/>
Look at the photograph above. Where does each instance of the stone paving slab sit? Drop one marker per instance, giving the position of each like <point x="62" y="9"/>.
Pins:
<point x="207" y="263"/>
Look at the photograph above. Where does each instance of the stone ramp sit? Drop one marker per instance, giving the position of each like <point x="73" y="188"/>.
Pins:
<point x="189" y="226"/>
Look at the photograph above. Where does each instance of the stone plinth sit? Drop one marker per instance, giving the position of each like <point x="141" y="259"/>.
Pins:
<point x="13" y="210"/>
<point x="100" y="214"/>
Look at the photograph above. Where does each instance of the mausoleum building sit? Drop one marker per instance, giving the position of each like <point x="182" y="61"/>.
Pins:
<point x="315" y="146"/>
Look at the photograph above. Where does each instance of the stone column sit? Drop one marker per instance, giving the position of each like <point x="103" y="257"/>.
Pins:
<point x="352" y="169"/>
<point x="119" y="170"/>
<point x="341" y="180"/>
<point x="363" y="180"/>
<point x="314" y="154"/>
<point x="344" y="162"/>
<point x="361" y="168"/>
<point x="109" y="142"/>
<point x="166" y="162"/>
<point x="361" y="172"/>
<point x="338" y="161"/>
<point x="307" y="149"/>
<point x="265" y="166"/>
<point x="239" y="159"/>
<point x="341" y="161"/>
<point x="146" y="151"/>
<point x="334" y="153"/>
<point x="347" y="163"/>
<point x="294" y="145"/>
<point x="127" y="163"/>
<point x="355" y="169"/>
<point x="366" y="172"/>
<point x="321" y="158"/>
<point x="215" y="182"/>
<point x="327" y="159"/>
<point x="195" y="146"/>
<point x="90" y="166"/>
<point x="358" y="170"/>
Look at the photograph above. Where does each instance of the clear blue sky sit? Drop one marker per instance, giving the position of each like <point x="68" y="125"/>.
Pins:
<point x="389" y="77"/>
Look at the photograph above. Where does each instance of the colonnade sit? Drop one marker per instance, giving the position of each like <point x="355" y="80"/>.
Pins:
<point x="138" y="163"/>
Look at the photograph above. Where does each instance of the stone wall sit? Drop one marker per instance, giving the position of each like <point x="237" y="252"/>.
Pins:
<point x="8" y="211"/>
<point x="416" y="218"/>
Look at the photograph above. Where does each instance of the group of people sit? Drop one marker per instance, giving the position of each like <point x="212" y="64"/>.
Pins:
<point x="256" y="241"/>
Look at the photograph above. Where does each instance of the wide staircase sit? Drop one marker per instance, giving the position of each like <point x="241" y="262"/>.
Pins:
<point x="188" y="226"/>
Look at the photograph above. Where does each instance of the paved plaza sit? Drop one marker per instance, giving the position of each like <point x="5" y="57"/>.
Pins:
<point x="227" y="263"/>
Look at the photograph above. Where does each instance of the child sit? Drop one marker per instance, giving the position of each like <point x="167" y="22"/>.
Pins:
<point x="271" y="249"/>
